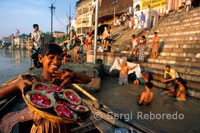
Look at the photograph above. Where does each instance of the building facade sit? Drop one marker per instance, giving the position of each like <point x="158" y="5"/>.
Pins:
<point x="161" y="6"/>
<point x="58" y="34"/>
<point x="84" y="13"/>
<point x="111" y="8"/>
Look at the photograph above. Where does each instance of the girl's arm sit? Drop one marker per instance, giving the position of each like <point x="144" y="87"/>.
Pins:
<point x="4" y="91"/>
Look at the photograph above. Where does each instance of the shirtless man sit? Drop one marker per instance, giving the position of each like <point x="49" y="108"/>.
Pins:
<point x="76" y="55"/>
<point x="123" y="77"/>
<point x="181" y="92"/>
<point x="90" y="42"/>
<point x="134" y="46"/>
<point x="147" y="96"/>
<point x="155" y="46"/>
<point x="86" y="41"/>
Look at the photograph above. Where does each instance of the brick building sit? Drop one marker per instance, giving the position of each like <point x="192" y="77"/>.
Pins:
<point x="84" y="12"/>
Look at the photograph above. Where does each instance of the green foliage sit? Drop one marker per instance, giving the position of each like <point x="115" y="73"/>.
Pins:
<point x="62" y="39"/>
<point x="0" y="42"/>
<point x="29" y="35"/>
<point x="67" y="35"/>
<point x="24" y="35"/>
<point x="47" y="37"/>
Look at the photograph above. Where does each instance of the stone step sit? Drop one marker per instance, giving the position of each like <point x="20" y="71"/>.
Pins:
<point x="176" y="36"/>
<point x="184" y="46"/>
<point x="193" y="55"/>
<point x="185" y="59"/>
<point x="185" y="26"/>
<point x="192" y="26"/>
<point x="175" y="54"/>
<point x="191" y="13"/>
<point x="177" y="39"/>
<point x="173" y="62"/>
<point x="184" y="76"/>
<point x="175" y="32"/>
<point x="180" y="22"/>
<point x="190" y="84"/>
<point x="176" y="49"/>
<point x="186" y="70"/>
<point x="191" y="92"/>
<point x="181" y="50"/>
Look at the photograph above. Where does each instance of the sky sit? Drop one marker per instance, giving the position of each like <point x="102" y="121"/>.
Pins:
<point x="22" y="14"/>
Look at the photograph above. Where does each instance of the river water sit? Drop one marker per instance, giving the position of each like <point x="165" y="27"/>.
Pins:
<point x="121" y="99"/>
<point x="13" y="63"/>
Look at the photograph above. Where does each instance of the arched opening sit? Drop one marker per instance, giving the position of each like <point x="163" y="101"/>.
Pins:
<point x="137" y="7"/>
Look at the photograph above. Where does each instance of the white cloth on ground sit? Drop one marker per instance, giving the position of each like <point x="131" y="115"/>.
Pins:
<point x="137" y="70"/>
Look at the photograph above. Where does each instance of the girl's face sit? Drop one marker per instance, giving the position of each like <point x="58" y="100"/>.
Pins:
<point x="51" y="63"/>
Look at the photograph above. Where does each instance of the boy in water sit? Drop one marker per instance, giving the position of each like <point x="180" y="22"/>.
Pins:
<point x="143" y="80"/>
<point x="181" y="92"/>
<point x="123" y="77"/>
<point x="50" y="58"/>
<point x="147" y="96"/>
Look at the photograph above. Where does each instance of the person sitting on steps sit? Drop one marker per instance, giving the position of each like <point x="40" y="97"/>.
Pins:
<point x="169" y="77"/>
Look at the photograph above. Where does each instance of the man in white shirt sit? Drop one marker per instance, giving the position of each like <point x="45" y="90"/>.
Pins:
<point x="37" y="37"/>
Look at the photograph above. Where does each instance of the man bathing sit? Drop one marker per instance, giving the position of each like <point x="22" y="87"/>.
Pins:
<point x="143" y="80"/>
<point x="123" y="77"/>
<point x="147" y="96"/>
<point x="181" y="91"/>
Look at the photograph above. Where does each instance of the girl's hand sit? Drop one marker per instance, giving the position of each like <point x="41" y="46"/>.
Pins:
<point x="22" y="83"/>
<point x="64" y="75"/>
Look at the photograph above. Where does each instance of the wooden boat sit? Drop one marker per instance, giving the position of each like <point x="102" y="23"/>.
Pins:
<point x="99" y="120"/>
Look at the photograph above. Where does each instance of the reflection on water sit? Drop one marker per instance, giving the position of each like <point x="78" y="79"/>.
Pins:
<point x="13" y="63"/>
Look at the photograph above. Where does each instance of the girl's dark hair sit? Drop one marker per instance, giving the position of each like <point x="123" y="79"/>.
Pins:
<point x="51" y="49"/>
<point x="143" y="37"/>
<point x="47" y="49"/>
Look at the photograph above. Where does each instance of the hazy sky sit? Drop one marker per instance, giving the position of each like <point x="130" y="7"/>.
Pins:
<point x="22" y="14"/>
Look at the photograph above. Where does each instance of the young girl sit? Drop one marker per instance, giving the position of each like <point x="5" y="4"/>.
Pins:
<point x="50" y="56"/>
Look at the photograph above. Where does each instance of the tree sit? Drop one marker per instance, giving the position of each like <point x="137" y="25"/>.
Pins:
<point x="29" y="35"/>
<point x="24" y="35"/>
<point x="47" y="37"/>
